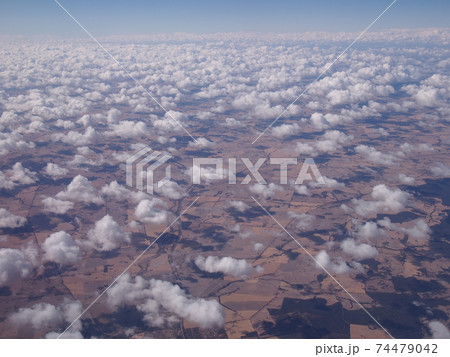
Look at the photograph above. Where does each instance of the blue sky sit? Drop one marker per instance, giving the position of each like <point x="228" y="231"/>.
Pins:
<point x="110" y="17"/>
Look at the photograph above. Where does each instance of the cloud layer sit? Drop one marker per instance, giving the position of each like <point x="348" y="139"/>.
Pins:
<point x="163" y="303"/>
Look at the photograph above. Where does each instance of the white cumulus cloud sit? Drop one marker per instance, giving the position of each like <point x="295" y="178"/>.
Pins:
<point x="438" y="329"/>
<point x="16" y="263"/>
<point x="54" y="205"/>
<point x="9" y="220"/>
<point x="238" y="268"/>
<point x="163" y="303"/>
<point x="267" y="191"/>
<point x="55" y="171"/>
<point x="240" y="206"/>
<point x="384" y="200"/>
<point x="358" y="251"/>
<point x="60" y="248"/>
<point x="152" y="211"/>
<point x="106" y="235"/>
<point x="80" y="190"/>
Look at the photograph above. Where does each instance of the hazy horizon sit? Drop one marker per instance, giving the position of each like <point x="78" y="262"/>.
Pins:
<point x="112" y="18"/>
